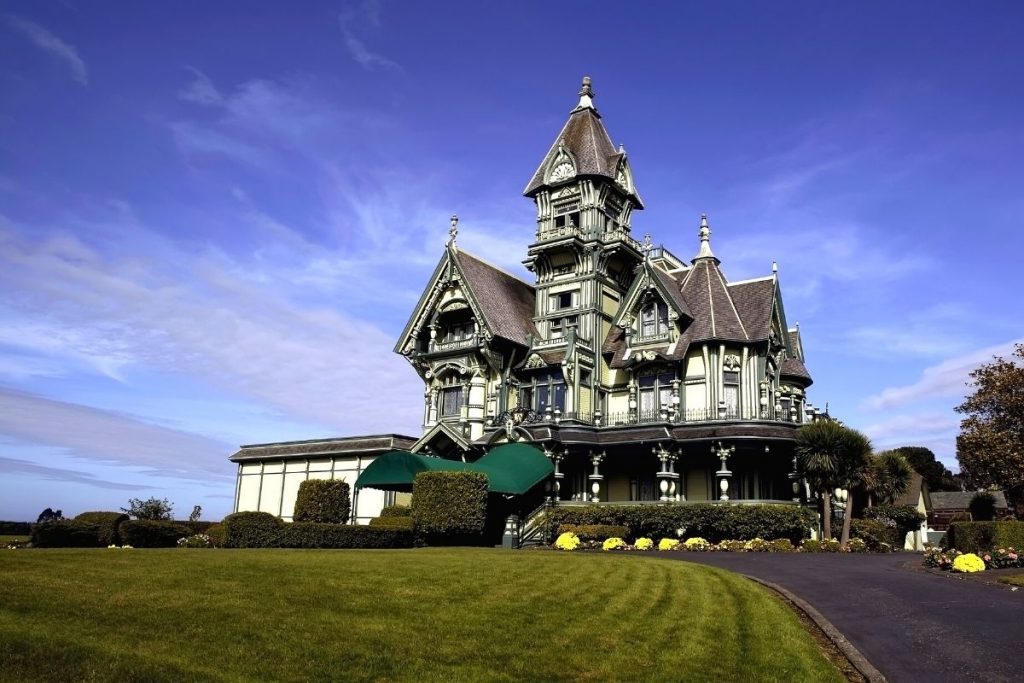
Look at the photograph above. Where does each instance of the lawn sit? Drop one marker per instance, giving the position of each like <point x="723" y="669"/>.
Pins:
<point x="416" y="615"/>
<point x="1013" y="579"/>
<point x="7" y="538"/>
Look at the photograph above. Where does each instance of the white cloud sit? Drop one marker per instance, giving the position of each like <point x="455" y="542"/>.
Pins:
<point x="201" y="90"/>
<point x="946" y="379"/>
<point x="365" y="15"/>
<point x="51" y="44"/>
<point x="110" y="437"/>
<point x="18" y="466"/>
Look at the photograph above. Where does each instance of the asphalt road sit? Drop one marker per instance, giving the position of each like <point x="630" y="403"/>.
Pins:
<point x="910" y="624"/>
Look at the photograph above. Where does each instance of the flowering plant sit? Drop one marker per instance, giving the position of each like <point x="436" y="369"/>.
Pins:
<point x="567" y="541"/>
<point x="730" y="546"/>
<point x="757" y="545"/>
<point x="968" y="563"/>
<point x="195" y="541"/>
<point x="643" y="543"/>
<point x="857" y="545"/>
<point x="613" y="544"/>
<point x="697" y="543"/>
<point x="668" y="544"/>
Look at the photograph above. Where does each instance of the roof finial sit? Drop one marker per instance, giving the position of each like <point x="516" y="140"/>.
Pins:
<point x="647" y="246"/>
<point x="705" y="239"/>
<point x="586" y="95"/>
<point x="775" y="267"/>
<point x="453" y="231"/>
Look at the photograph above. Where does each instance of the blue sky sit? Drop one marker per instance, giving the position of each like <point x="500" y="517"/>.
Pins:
<point x="214" y="220"/>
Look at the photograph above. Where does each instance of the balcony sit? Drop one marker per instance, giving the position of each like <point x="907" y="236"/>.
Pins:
<point x="696" y="415"/>
<point x="455" y="345"/>
<point x="559" y="232"/>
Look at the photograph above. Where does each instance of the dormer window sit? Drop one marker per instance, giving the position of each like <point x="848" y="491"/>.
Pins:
<point x="654" y="319"/>
<point x="563" y="300"/>
<point x="458" y="331"/>
<point x="560" y="326"/>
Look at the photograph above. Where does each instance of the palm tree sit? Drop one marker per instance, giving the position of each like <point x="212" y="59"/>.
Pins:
<point x="890" y="476"/>
<point x="829" y="456"/>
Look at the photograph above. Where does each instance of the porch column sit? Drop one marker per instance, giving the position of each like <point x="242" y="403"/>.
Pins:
<point x="723" y="474"/>
<point x="556" y="460"/>
<point x="596" y="457"/>
<point x="666" y="477"/>
<point x="432" y="409"/>
<point x="674" y="488"/>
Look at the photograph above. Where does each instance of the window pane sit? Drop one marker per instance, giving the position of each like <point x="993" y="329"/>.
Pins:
<point x="647" y="401"/>
<point x="666" y="379"/>
<point x="647" y="381"/>
<point x="542" y="399"/>
<point x="451" y="401"/>
<point x="732" y="397"/>
<point x="559" y="398"/>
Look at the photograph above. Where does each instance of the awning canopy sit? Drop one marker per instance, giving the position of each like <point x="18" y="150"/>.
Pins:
<point x="510" y="468"/>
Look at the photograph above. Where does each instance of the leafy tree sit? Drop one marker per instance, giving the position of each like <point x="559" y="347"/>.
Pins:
<point x="197" y="512"/>
<point x="890" y="477"/>
<point x="830" y="456"/>
<point x="151" y="508"/>
<point x="49" y="515"/>
<point x="936" y="475"/>
<point x="990" y="447"/>
<point x="982" y="507"/>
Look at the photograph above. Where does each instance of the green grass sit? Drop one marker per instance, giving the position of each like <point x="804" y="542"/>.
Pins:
<point x="418" y="615"/>
<point x="6" y="538"/>
<point x="1013" y="579"/>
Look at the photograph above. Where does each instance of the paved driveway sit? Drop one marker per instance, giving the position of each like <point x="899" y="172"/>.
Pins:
<point x="910" y="624"/>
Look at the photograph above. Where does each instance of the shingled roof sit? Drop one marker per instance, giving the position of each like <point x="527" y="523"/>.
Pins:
<point x="754" y="299"/>
<point x="715" y="314"/>
<point x="323" y="447"/>
<point x="585" y="138"/>
<point x="794" y="368"/>
<point x="506" y="302"/>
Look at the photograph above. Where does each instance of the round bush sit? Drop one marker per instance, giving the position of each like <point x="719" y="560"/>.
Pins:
<point x="152" y="533"/>
<point x="251" y="530"/>
<point x="107" y="525"/>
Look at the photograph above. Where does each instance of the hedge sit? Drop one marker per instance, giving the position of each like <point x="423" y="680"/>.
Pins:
<point x="875" y="533"/>
<point x="66" y="533"/>
<point x="15" y="528"/>
<point x="251" y="530"/>
<point x="973" y="537"/>
<point x="594" y="532"/>
<point x="393" y="522"/>
<point x="905" y="517"/>
<point x="107" y="524"/>
<point x="323" y="500"/>
<point x="216" y="534"/>
<point x="317" y="535"/>
<point x="152" y="533"/>
<point x="714" y="522"/>
<point x="396" y="511"/>
<point x="450" y="506"/>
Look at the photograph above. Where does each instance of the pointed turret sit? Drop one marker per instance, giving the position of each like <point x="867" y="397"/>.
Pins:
<point x="705" y="241"/>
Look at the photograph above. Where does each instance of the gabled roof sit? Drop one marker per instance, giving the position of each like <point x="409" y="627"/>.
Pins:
<point x="671" y="288"/>
<point x="794" y="368"/>
<point x="959" y="500"/>
<point x="754" y="300"/>
<point x="505" y="301"/>
<point x="584" y="137"/>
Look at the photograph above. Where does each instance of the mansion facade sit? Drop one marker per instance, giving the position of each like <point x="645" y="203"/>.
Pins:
<point x="643" y="376"/>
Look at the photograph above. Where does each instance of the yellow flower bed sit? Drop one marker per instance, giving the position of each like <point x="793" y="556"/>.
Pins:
<point x="668" y="544"/>
<point x="968" y="563"/>
<point x="697" y="543"/>
<point x="643" y="544"/>
<point x="567" y="541"/>
<point x="613" y="544"/>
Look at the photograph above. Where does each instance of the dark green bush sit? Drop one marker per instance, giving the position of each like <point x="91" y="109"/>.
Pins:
<point x="973" y="537"/>
<point x="450" y="507"/>
<point x="216" y="534"/>
<point x="251" y="530"/>
<point x="714" y="522"/>
<point x="905" y="517"/>
<point x="393" y="522"/>
<point x="397" y="511"/>
<point x="197" y="527"/>
<point x="66" y="533"/>
<point x="874" y="532"/>
<point x="152" y="533"/>
<point x="982" y="507"/>
<point x="107" y="524"/>
<point x="315" y="535"/>
<point x="15" y="528"/>
<point x="327" y="501"/>
<point x="595" y="532"/>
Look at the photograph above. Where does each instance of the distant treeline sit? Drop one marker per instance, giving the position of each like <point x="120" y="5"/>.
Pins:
<point x="15" y="528"/>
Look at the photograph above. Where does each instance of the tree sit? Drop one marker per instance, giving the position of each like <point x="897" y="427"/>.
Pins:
<point x="152" y="508"/>
<point x="49" y="515"/>
<point x="830" y="456"/>
<point x="936" y="475"/>
<point x="982" y="507"/>
<point x="990" y="447"/>
<point x="197" y="512"/>
<point x="890" y="477"/>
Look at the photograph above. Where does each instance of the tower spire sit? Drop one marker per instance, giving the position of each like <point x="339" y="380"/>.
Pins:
<point x="705" y="240"/>
<point x="586" y="95"/>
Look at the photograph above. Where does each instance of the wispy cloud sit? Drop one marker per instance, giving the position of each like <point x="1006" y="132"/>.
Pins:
<point x="355" y="19"/>
<point x="946" y="379"/>
<point x="18" y="466"/>
<point x="51" y="44"/>
<point x="109" y="437"/>
<point x="200" y="90"/>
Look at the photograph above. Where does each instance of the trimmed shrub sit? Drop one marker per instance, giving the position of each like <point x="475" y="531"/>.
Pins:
<point x="216" y="535"/>
<point x="396" y="511"/>
<point x="152" y="533"/>
<point x="107" y="524"/>
<point x="197" y="527"/>
<point x="904" y="518"/>
<point x="594" y="532"/>
<point x="781" y="545"/>
<point x="393" y="522"/>
<point x="874" y="533"/>
<point x="973" y="537"/>
<point x="450" y="506"/>
<point x="251" y="530"/>
<point x="327" y="501"/>
<point x="982" y="507"/>
<point x="316" y="535"/>
<point x="66" y="533"/>
<point x="714" y="522"/>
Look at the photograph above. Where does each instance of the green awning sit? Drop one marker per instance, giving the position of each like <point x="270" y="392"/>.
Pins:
<point x="512" y="468"/>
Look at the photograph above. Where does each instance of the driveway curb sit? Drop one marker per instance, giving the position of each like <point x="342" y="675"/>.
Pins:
<point x="858" y="660"/>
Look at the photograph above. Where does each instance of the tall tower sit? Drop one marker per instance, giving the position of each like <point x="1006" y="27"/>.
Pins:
<point x="583" y="254"/>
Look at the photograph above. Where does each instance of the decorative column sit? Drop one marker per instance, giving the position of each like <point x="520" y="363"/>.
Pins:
<point x="723" y="474"/>
<point x="763" y="401"/>
<point x="556" y="460"/>
<point x="632" y="402"/>
<point x="432" y="409"/>
<point x="675" y="486"/>
<point x="794" y="477"/>
<point x="675" y="400"/>
<point x="666" y="477"/>
<point x="464" y="410"/>
<point x="596" y="457"/>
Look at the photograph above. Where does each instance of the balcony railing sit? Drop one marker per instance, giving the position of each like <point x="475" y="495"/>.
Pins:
<point x="439" y="347"/>
<point x="620" y="419"/>
<point x="559" y="232"/>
